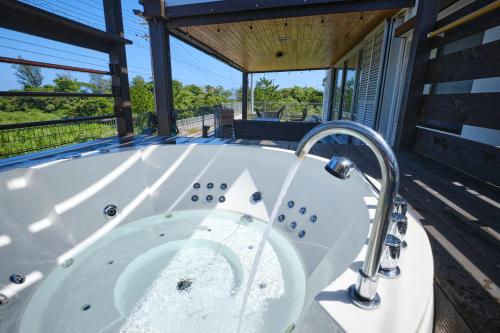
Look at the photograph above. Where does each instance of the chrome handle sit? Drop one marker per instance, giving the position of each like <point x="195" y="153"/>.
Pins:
<point x="400" y="226"/>
<point x="389" y="263"/>
<point x="400" y="205"/>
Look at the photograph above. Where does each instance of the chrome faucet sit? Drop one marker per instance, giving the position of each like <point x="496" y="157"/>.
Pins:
<point x="364" y="292"/>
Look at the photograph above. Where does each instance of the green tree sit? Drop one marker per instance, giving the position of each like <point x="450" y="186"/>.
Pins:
<point x="215" y="95"/>
<point x="266" y="91"/>
<point x="98" y="84"/>
<point x="66" y="83"/>
<point x="28" y="76"/>
<point x="91" y="106"/>
<point x="141" y="95"/>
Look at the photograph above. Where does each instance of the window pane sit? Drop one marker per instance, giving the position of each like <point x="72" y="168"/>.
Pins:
<point x="336" y="96"/>
<point x="349" y="89"/>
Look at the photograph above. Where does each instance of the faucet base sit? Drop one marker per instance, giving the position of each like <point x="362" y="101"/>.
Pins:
<point x="389" y="273"/>
<point x="362" y="302"/>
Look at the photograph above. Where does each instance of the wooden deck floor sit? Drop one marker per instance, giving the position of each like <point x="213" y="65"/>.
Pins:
<point x="462" y="218"/>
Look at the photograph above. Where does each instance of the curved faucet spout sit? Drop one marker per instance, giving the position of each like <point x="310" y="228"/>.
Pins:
<point x="364" y="293"/>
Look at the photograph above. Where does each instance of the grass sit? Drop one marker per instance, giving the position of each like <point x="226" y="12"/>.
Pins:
<point x="26" y="140"/>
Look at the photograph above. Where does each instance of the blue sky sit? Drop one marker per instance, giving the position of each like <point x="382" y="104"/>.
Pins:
<point x="188" y="64"/>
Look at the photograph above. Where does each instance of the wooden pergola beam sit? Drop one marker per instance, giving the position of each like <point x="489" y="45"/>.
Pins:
<point x="161" y="64"/>
<point x="230" y="11"/>
<point x="118" y="68"/>
<point x="199" y="45"/>
<point x="21" y="17"/>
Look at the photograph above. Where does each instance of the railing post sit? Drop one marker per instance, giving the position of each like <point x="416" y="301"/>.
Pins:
<point x="244" y="95"/>
<point x="118" y="69"/>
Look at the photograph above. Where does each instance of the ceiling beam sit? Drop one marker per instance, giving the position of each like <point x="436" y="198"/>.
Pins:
<point x="21" y="17"/>
<point x="188" y="39"/>
<point x="231" y="11"/>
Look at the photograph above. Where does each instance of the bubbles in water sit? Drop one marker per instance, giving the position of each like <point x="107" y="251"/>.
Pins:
<point x="281" y="196"/>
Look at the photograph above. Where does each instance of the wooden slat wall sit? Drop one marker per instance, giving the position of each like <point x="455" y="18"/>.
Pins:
<point x="479" y="62"/>
<point x="474" y="158"/>
<point x="455" y="110"/>
<point x="449" y="112"/>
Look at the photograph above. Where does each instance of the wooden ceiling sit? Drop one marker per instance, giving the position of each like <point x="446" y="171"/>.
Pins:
<point x="310" y="42"/>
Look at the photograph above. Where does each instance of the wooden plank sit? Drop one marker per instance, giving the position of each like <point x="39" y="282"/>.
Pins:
<point x="486" y="22"/>
<point x="19" y="61"/>
<point x="405" y="27"/>
<point x="456" y="272"/>
<point x="313" y="42"/>
<point x="474" y="158"/>
<point x="451" y="111"/>
<point x="447" y="318"/>
<point x="220" y="12"/>
<point x="469" y="8"/>
<point x="469" y="208"/>
<point x="413" y="87"/>
<point x="410" y="23"/>
<point x="478" y="62"/>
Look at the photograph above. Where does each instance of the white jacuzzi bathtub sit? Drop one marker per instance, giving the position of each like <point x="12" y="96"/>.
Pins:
<point x="172" y="260"/>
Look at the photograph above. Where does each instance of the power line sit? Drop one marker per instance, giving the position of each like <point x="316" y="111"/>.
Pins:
<point x="99" y="3"/>
<point x="48" y="55"/>
<point x="63" y="11"/>
<point x="53" y="48"/>
<point x="91" y="15"/>
<point x="100" y="8"/>
<point x="69" y="52"/>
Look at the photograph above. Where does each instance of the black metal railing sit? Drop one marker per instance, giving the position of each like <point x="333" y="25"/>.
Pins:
<point x="17" y="139"/>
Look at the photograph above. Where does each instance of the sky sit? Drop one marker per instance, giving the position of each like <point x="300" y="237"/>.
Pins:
<point x="189" y="65"/>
